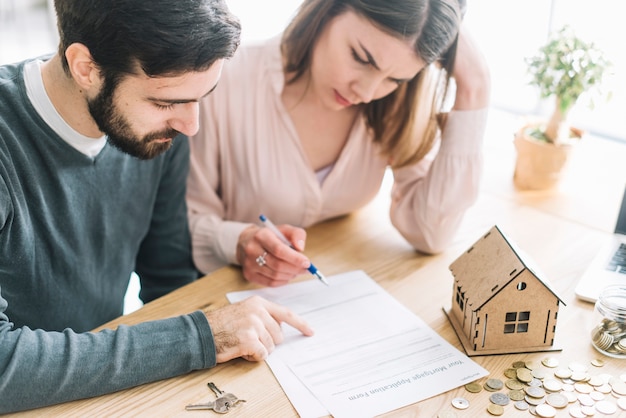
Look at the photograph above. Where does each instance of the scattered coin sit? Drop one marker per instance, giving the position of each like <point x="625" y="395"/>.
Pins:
<point x="550" y="362"/>
<point x="597" y="396"/>
<point x="524" y="375"/>
<point x="580" y="376"/>
<point x="521" y="405"/>
<point x="494" y="409"/>
<point x="534" y="401"/>
<point x="596" y="381"/>
<point x="577" y="412"/>
<point x="542" y="392"/>
<point x="552" y="385"/>
<point x="530" y="365"/>
<point x="499" y="398"/>
<point x="538" y="373"/>
<point x="607" y="377"/>
<point x="493" y="384"/>
<point x="583" y="388"/>
<point x="517" y="395"/>
<point x="588" y="410"/>
<point x="577" y="367"/>
<point x="571" y="396"/>
<point x="606" y="407"/>
<point x="605" y="389"/>
<point x="545" y="411"/>
<point x="619" y="388"/>
<point x="585" y="400"/>
<point x="557" y="400"/>
<point x="473" y="387"/>
<point x="460" y="403"/>
<point x="598" y="362"/>
<point x="563" y="373"/>
<point x="514" y="384"/>
<point x="535" y="392"/>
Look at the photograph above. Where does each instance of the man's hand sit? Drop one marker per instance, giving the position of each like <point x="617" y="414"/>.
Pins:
<point x="251" y="328"/>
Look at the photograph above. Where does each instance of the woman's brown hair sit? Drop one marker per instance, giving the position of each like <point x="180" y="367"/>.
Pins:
<point x="405" y="122"/>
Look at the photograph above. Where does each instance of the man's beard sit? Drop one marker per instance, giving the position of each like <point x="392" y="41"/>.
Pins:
<point x="118" y="130"/>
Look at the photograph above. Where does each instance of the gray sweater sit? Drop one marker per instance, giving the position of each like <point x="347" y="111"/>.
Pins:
<point x="72" y="229"/>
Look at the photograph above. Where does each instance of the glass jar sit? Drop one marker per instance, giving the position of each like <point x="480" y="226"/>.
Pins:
<point x="608" y="335"/>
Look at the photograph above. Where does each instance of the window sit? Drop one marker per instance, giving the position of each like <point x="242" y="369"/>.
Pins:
<point x="460" y="297"/>
<point x="521" y="28"/>
<point x="516" y="322"/>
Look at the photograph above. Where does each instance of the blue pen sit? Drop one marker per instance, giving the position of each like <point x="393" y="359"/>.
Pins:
<point x="284" y="239"/>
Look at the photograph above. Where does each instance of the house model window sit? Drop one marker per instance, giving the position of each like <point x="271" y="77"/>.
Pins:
<point x="516" y="322"/>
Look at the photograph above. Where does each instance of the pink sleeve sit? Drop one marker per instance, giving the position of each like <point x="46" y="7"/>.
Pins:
<point x="213" y="240"/>
<point x="430" y="198"/>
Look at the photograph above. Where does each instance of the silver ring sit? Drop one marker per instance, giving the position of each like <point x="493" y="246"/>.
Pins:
<point x="260" y="260"/>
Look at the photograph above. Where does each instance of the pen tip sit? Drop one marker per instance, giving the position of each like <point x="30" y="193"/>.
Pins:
<point x="322" y="278"/>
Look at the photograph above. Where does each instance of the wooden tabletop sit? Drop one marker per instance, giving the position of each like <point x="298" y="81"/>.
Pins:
<point x="560" y="230"/>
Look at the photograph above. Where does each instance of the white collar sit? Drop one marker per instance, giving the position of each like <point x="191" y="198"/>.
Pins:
<point x="41" y="102"/>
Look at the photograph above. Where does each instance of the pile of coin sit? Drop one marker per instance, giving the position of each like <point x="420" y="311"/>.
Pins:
<point x="609" y="336"/>
<point x="545" y="389"/>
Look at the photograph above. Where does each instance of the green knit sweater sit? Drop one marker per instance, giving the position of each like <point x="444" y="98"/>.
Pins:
<point x="72" y="229"/>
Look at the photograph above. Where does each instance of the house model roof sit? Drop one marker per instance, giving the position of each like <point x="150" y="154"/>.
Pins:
<point x="490" y="265"/>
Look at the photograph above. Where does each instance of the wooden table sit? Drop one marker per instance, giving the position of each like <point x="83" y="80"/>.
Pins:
<point x="559" y="230"/>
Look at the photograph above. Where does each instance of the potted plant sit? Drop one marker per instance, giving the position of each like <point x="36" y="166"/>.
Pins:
<point x="563" y="69"/>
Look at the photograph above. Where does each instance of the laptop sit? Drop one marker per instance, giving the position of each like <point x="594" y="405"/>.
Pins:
<point x="609" y="265"/>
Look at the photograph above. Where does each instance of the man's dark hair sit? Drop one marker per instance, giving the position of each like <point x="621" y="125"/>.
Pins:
<point x="161" y="37"/>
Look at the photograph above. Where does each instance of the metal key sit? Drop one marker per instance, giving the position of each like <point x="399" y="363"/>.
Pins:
<point x="220" y="405"/>
<point x="227" y="400"/>
<point x="220" y="409"/>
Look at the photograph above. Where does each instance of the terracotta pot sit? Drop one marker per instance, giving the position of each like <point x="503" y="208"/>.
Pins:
<point x="540" y="165"/>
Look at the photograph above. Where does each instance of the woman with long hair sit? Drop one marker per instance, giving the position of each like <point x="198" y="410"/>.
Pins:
<point x="303" y="127"/>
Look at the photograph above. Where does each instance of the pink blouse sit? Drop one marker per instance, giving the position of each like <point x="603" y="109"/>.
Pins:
<point x="247" y="159"/>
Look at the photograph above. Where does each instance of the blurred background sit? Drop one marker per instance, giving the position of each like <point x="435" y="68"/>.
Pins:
<point x="508" y="31"/>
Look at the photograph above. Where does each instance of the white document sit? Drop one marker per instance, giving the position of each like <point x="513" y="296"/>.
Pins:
<point x="369" y="354"/>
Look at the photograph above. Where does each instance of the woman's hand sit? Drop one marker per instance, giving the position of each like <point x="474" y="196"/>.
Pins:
<point x="471" y="74"/>
<point x="266" y="260"/>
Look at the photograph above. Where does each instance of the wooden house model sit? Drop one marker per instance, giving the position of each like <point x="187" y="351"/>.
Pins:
<point x="499" y="303"/>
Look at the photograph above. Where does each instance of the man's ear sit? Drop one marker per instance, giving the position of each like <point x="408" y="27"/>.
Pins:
<point x="84" y="70"/>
